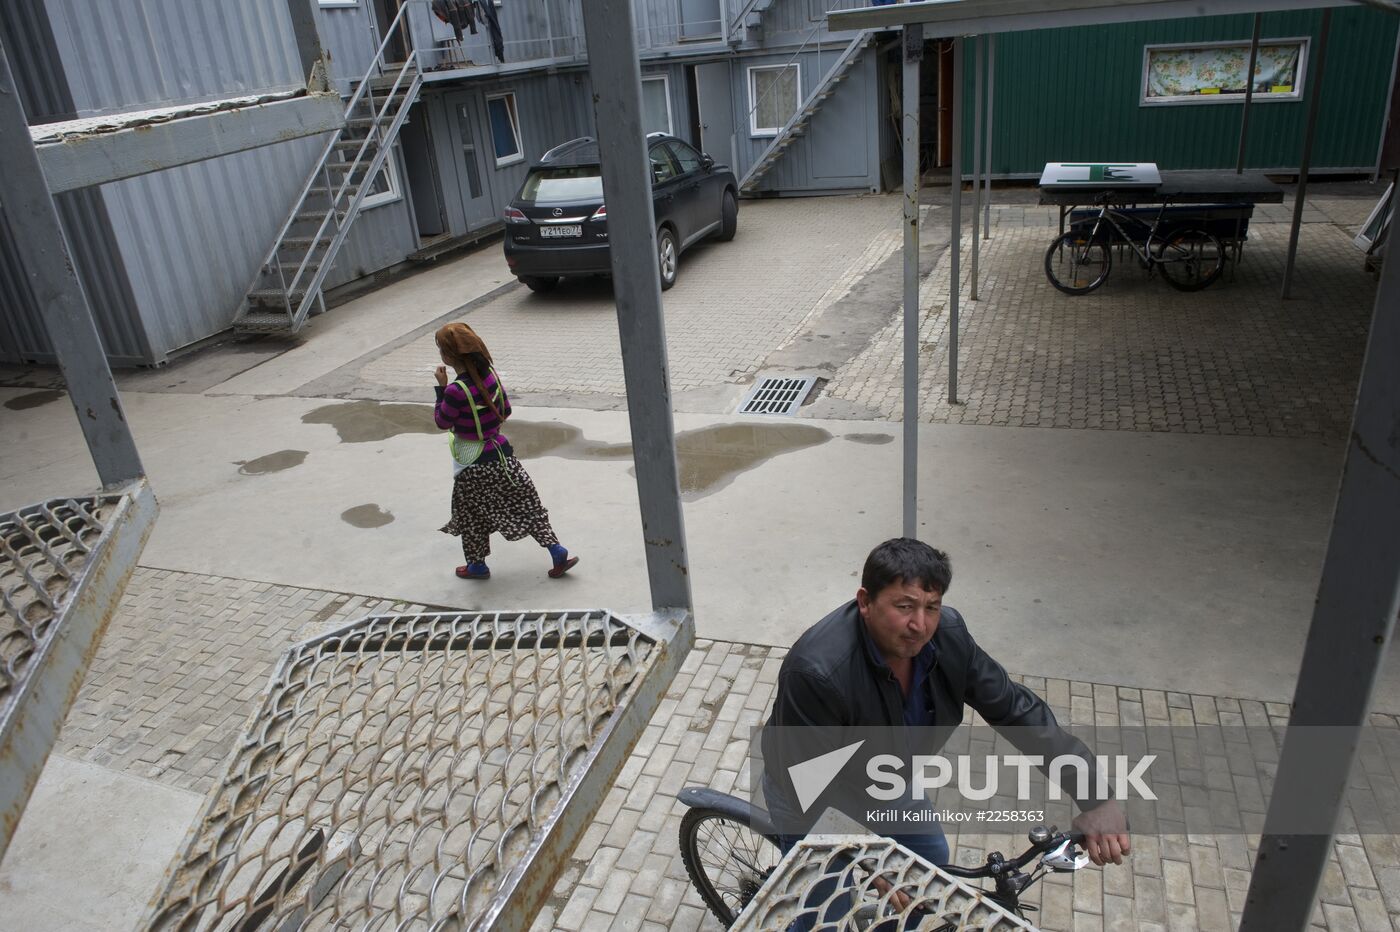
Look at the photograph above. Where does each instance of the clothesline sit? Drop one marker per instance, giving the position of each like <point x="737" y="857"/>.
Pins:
<point x="462" y="15"/>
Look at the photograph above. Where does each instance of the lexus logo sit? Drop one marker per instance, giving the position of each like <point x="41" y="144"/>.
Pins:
<point x="558" y="212"/>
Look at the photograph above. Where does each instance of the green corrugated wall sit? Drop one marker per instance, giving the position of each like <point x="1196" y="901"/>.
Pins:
<point x="1073" y="95"/>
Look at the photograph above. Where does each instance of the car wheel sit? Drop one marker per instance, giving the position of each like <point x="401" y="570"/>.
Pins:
<point x="540" y="283"/>
<point x="668" y="256"/>
<point x="728" y="217"/>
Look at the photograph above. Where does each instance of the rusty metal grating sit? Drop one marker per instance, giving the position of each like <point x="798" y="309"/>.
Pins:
<point x="44" y="549"/>
<point x="777" y="395"/>
<point x="406" y="772"/>
<point x="848" y="867"/>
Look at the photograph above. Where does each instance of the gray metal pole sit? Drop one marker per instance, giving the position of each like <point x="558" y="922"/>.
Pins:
<point x="977" y="44"/>
<point x="617" y="108"/>
<point x="1352" y="624"/>
<point x="1300" y="195"/>
<point x="59" y="294"/>
<point x="308" y="37"/>
<point x="956" y="248"/>
<point x="913" y="57"/>
<point x="987" y="168"/>
<point x="1248" y="92"/>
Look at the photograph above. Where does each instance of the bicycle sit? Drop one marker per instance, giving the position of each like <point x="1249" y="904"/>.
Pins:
<point x="1079" y="260"/>
<point x="749" y="852"/>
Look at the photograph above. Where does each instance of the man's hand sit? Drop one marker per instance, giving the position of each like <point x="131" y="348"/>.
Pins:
<point x="899" y="901"/>
<point x="1105" y="829"/>
<point x="440" y="373"/>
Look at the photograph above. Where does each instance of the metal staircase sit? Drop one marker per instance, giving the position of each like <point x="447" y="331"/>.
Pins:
<point x="797" y="126"/>
<point x="289" y="283"/>
<point x="748" y="22"/>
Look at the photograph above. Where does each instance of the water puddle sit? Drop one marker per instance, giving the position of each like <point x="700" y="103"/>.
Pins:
<point x="709" y="458"/>
<point x="372" y="421"/>
<point x="272" y="462"/>
<point x="873" y="439"/>
<point x="34" y="399"/>
<point x="366" y="516"/>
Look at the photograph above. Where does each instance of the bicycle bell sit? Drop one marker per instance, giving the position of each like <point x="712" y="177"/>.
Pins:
<point x="1039" y="835"/>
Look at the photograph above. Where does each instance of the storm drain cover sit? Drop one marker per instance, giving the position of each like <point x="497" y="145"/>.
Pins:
<point x="777" y="395"/>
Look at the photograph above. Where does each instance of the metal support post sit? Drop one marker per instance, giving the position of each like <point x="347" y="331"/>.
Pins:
<point x="1352" y="625"/>
<point x="43" y="253"/>
<point x="913" y="57"/>
<point x="308" y="36"/>
<point x="1300" y="195"/>
<point x="1248" y="92"/>
<point x="987" y="168"/>
<point x="956" y="248"/>
<point x="617" y="107"/>
<point x="977" y="60"/>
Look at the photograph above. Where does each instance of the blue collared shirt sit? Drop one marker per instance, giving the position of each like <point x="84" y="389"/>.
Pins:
<point x="918" y="704"/>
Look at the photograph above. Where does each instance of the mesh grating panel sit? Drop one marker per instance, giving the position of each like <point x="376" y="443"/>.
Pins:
<point x="43" y="551"/>
<point x="399" y="768"/>
<point x="777" y="396"/>
<point x="850" y="899"/>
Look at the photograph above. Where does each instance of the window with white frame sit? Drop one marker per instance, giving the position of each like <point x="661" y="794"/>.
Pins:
<point x="1216" y="72"/>
<point x="384" y="189"/>
<point x="504" y="118"/>
<point x="656" y="104"/>
<point x="774" y="96"/>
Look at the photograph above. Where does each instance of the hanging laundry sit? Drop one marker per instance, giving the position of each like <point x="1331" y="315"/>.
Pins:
<point x="486" y="9"/>
<point x="459" y="14"/>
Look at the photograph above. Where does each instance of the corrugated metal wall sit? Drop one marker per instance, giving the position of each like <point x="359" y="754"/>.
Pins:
<point x="840" y="150"/>
<point x="350" y="35"/>
<point x="794" y="20"/>
<point x="45" y="93"/>
<point x="1074" y="94"/>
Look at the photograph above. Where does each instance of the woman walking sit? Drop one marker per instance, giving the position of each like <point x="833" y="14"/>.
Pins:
<point x="492" y="492"/>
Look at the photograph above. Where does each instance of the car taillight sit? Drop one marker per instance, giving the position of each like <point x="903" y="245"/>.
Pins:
<point x="514" y="215"/>
<point x="600" y="214"/>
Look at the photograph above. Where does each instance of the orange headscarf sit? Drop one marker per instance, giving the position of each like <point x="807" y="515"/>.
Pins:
<point x="459" y="344"/>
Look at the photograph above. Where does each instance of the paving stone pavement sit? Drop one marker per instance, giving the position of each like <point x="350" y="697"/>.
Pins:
<point x="186" y="656"/>
<point x="732" y="304"/>
<point x="1135" y="354"/>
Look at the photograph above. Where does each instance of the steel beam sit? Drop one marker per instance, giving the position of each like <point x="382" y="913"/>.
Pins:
<point x="632" y="235"/>
<point x="1305" y="163"/>
<point x="308" y="38"/>
<point x="59" y="295"/>
<point x="977" y="44"/>
<point x="987" y="170"/>
<point x="913" y="59"/>
<point x="1248" y="93"/>
<point x="1352" y="625"/>
<point x="955" y="243"/>
<point x="85" y="159"/>
<point x="946" y="18"/>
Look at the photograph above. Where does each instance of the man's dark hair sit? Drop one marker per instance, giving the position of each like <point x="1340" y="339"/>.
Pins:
<point x="907" y="559"/>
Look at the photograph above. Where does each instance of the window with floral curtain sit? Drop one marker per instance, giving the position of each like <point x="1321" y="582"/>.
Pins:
<point x="1217" y="72"/>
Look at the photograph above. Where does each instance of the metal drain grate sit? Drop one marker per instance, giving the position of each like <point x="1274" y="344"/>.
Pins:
<point x="43" y="551"/>
<point x="419" y="772"/>
<point x="849" y="899"/>
<point x="777" y="395"/>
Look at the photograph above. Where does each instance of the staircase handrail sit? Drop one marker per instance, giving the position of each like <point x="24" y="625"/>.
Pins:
<point x="851" y="49"/>
<point x="375" y="66"/>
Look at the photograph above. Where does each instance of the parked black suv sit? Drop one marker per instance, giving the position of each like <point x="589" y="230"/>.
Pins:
<point x="557" y="223"/>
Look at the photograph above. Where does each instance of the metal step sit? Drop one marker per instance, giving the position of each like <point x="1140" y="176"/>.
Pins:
<point x="316" y="216"/>
<point x="302" y="242"/>
<point x="263" y="322"/>
<point x="273" y="297"/>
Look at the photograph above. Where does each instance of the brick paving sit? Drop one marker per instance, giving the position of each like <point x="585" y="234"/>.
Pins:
<point x="186" y="656"/>
<point x="1137" y="355"/>
<point x="732" y="304"/>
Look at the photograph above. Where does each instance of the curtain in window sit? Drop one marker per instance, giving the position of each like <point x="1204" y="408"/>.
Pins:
<point x="1221" y="70"/>
<point x="655" y="114"/>
<point x="775" y="93"/>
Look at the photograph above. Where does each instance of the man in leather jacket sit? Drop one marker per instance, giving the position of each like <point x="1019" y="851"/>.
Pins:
<point x="896" y="655"/>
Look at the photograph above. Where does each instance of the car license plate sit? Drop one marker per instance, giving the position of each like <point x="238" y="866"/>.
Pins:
<point x="560" y="230"/>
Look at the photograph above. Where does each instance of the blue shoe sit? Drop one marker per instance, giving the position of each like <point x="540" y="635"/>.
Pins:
<point x="474" y="571"/>
<point x="562" y="561"/>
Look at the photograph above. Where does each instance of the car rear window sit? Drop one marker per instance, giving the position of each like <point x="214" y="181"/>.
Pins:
<point x="575" y="183"/>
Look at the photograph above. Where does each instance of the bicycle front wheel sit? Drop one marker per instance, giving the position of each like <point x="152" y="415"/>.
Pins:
<point x="1077" y="263"/>
<point x="1190" y="259"/>
<point x="726" y="859"/>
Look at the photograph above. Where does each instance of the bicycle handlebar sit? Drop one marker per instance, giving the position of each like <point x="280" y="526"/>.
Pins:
<point x="992" y="869"/>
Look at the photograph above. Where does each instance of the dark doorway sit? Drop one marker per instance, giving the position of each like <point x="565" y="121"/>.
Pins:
<point x="384" y="13"/>
<point x="692" y="99"/>
<point x="421" y="174"/>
